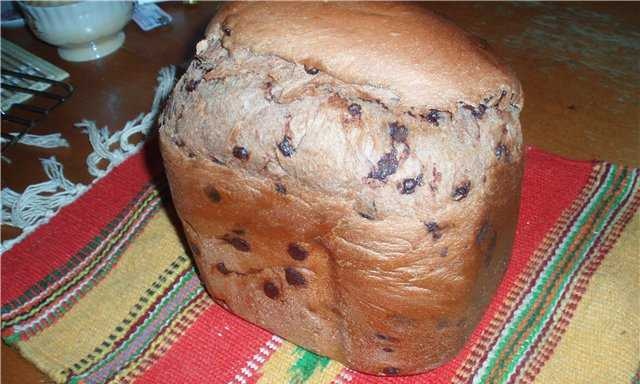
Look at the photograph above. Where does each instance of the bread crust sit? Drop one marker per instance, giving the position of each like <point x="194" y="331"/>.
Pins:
<point x="421" y="58"/>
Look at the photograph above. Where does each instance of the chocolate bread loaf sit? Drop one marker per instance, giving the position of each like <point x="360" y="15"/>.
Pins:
<point x="348" y="176"/>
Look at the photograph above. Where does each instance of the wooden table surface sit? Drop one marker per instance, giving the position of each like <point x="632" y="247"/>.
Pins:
<point x="577" y="63"/>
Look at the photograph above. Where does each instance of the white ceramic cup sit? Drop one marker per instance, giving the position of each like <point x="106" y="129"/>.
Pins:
<point x="82" y="30"/>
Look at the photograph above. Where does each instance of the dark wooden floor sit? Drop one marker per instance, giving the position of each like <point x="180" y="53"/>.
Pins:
<point x="577" y="63"/>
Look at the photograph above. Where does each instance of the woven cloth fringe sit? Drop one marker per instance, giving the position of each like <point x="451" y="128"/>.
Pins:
<point x="53" y="140"/>
<point x="102" y="141"/>
<point x="39" y="202"/>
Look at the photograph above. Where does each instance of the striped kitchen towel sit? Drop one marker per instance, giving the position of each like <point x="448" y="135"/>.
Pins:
<point x="106" y="292"/>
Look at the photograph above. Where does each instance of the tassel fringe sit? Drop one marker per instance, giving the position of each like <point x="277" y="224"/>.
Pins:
<point x="54" y="140"/>
<point x="102" y="141"/>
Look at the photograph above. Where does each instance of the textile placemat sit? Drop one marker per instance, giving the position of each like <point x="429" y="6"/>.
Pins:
<point x="105" y="292"/>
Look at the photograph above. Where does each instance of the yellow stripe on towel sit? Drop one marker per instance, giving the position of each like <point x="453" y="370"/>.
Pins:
<point x="605" y="329"/>
<point x="294" y="365"/>
<point x="90" y="321"/>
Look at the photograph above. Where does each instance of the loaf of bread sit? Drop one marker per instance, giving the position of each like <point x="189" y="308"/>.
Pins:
<point x="348" y="176"/>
